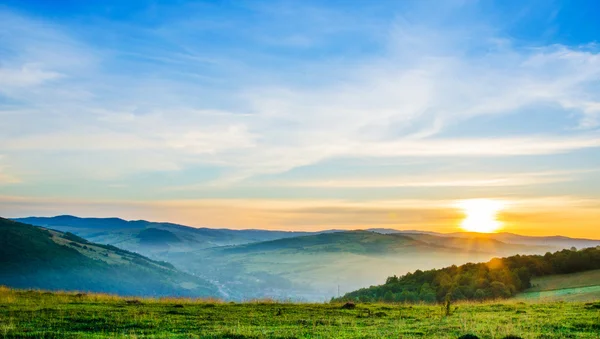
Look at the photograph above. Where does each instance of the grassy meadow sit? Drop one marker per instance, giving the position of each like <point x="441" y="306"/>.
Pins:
<point x="38" y="314"/>
<point x="582" y="286"/>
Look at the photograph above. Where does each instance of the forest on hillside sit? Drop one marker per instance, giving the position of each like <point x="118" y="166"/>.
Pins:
<point x="498" y="278"/>
<point x="33" y="257"/>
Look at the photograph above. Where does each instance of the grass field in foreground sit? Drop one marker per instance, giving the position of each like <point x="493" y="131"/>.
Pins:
<point x="35" y="314"/>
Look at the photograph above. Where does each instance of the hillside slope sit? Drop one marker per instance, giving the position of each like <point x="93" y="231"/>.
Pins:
<point x="478" y="242"/>
<point x="581" y="286"/>
<point x="314" y="267"/>
<point x="555" y="243"/>
<point x="359" y="242"/>
<point x="151" y="238"/>
<point x="33" y="257"/>
<point x="498" y="278"/>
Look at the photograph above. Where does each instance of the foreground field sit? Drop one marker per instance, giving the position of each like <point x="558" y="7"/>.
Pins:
<point x="33" y="314"/>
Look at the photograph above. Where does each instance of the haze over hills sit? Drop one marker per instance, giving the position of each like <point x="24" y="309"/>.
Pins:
<point x="34" y="257"/>
<point x="133" y="235"/>
<point x="568" y="271"/>
<point x="556" y="241"/>
<point x="150" y="237"/>
<point x="300" y="265"/>
<point x="314" y="267"/>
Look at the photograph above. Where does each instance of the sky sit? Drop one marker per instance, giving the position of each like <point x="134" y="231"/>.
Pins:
<point x="303" y="115"/>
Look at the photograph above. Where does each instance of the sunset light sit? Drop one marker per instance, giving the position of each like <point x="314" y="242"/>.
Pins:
<point x="368" y="168"/>
<point x="481" y="215"/>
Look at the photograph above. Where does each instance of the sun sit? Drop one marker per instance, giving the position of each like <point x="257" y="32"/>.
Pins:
<point x="481" y="215"/>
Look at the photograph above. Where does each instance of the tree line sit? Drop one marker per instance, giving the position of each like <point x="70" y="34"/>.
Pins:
<point x="498" y="278"/>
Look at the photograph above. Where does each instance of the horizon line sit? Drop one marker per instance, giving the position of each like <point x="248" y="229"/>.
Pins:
<point x="300" y="231"/>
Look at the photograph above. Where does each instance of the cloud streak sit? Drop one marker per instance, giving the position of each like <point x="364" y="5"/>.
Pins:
<point x="173" y="99"/>
<point x="463" y="180"/>
<point x="394" y="105"/>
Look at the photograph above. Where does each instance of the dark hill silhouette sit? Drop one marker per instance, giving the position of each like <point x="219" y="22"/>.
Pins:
<point x="133" y="235"/>
<point x="33" y="257"/>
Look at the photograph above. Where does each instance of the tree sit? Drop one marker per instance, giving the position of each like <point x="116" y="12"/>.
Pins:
<point x="499" y="290"/>
<point x="426" y="293"/>
<point x="480" y="294"/>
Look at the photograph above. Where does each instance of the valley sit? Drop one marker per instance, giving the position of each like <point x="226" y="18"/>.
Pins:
<point x="299" y="266"/>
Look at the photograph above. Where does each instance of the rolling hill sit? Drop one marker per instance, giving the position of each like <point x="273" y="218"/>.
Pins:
<point x="358" y="242"/>
<point x="554" y="242"/>
<point x="314" y="267"/>
<point x="562" y="275"/>
<point x="151" y="238"/>
<point x="34" y="257"/>
<point x="477" y="242"/>
<point x="299" y="265"/>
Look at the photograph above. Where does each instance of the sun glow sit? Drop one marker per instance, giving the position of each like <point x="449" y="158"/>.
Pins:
<point x="481" y="215"/>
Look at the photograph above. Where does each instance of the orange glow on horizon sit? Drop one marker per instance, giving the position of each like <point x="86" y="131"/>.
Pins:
<point x="549" y="216"/>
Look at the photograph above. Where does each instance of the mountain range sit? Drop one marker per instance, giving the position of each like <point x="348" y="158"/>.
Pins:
<point x="149" y="237"/>
<point x="245" y="264"/>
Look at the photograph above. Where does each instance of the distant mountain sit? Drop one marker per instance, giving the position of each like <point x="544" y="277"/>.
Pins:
<point x="358" y="242"/>
<point x="76" y="222"/>
<point x="34" y="257"/>
<point x="551" y="242"/>
<point x="369" y="242"/>
<point x="300" y="265"/>
<point x="559" y="242"/>
<point x="480" y="243"/>
<point x="149" y="238"/>
<point x="157" y="237"/>
<point x="133" y="235"/>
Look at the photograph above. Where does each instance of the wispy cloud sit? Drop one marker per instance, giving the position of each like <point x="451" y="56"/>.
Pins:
<point x="263" y="94"/>
<point x="436" y="180"/>
<point x="393" y="105"/>
<point x="27" y="75"/>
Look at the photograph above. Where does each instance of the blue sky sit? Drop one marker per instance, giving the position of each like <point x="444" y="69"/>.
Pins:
<point x="301" y="114"/>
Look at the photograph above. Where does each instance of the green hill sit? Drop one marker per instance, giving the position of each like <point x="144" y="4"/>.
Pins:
<point x="358" y="242"/>
<point x="316" y="267"/>
<point x="33" y="257"/>
<point x="498" y="278"/>
<point x="298" y="265"/>
<point x="153" y="238"/>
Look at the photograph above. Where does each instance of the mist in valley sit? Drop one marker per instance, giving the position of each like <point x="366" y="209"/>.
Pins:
<point x="299" y="266"/>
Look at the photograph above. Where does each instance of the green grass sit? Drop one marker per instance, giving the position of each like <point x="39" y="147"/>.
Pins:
<point x="582" y="286"/>
<point x="564" y="294"/>
<point x="556" y="282"/>
<point x="37" y="314"/>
